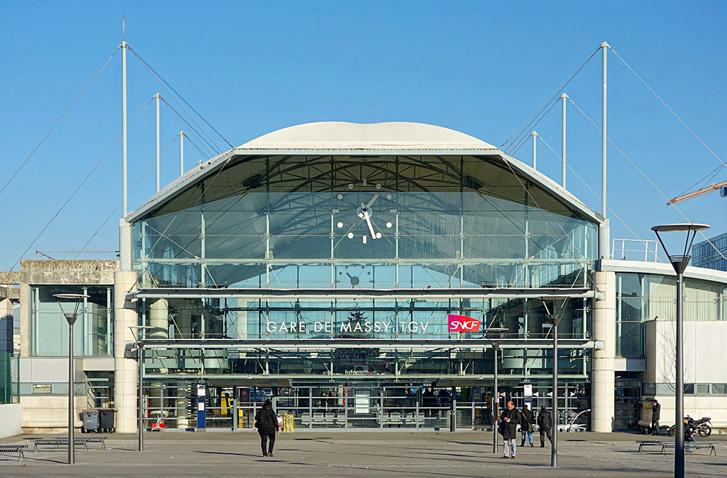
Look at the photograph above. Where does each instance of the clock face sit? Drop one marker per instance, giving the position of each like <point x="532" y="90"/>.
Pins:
<point x="365" y="216"/>
<point x="354" y="276"/>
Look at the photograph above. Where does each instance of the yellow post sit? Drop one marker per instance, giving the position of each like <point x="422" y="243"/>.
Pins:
<point x="288" y="423"/>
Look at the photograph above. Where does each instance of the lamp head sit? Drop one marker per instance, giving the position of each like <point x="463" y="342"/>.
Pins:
<point x="72" y="301"/>
<point x="679" y="261"/>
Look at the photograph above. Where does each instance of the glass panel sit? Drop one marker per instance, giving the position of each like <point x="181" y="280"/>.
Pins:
<point x="92" y="329"/>
<point x="445" y="221"/>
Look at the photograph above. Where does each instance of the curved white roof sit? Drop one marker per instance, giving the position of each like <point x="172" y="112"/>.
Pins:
<point x="341" y="135"/>
<point x="344" y="138"/>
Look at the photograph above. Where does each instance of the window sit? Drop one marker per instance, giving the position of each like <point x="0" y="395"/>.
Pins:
<point x="719" y="389"/>
<point x="92" y="330"/>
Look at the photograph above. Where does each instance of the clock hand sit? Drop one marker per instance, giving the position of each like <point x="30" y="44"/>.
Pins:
<point x="373" y="199"/>
<point x="369" y="223"/>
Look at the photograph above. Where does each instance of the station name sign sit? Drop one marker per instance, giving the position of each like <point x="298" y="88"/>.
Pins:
<point x="351" y="328"/>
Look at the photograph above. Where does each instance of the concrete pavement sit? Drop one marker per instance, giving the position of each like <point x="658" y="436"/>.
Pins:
<point x="359" y="454"/>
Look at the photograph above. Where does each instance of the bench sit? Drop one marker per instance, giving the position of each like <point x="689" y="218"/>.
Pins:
<point x="649" y="443"/>
<point x="63" y="442"/>
<point x="692" y="446"/>
<point x="689" y="447"/>
<point x="18" y="449"/>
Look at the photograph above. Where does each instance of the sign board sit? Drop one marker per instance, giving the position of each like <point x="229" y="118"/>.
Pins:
<point x="528" y="390"/>
<point x="362" y="403"/>
<point x="462" y="323"/>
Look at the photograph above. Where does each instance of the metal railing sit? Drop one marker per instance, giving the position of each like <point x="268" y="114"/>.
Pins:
<point x="644" y="250"/>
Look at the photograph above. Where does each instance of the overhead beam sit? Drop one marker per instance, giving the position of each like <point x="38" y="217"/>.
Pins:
<point x="328" y="293"/>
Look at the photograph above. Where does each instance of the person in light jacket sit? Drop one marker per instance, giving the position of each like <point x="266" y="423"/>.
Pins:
<point x="508" y="429"/>
<point x="527" y="420"/>
<point x="266" y="422"/>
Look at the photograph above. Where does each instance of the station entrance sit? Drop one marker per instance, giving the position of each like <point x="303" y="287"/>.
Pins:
<point x="354" y="405"/>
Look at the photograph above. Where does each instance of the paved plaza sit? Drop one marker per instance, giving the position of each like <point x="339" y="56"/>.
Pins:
<point x="358" y="454"/>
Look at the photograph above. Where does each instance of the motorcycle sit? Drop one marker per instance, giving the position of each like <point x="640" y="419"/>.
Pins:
<point x="701" y="427"/>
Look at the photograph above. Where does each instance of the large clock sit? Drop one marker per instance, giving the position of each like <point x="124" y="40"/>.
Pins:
<point x="366" y="216"/>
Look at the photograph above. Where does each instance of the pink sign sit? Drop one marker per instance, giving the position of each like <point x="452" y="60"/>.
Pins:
<point x="462" y="323"/>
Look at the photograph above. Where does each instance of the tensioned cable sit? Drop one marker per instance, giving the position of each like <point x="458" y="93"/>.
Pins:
<point x="588" y="186"/>
<point x="116" y="208"/>
<point x="155" y="73"/>
<point x="189" y="118"/>
<point x="194" y="143"/>
<point x="704" y="181"/>
<point x="524" y="139"/>
<point x="75" y="191"/>
<point x="213" y="148"/>
<point x="59" y="120"/>
<point x="671" y="110"/>
<point x="644" y="175"/>
<point x="535" y="118"/>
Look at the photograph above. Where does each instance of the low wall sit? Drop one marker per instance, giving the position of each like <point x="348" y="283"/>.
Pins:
<point x="48" y="413"/>
<point x="10" y="420"/>
<point x="697" y="406"/>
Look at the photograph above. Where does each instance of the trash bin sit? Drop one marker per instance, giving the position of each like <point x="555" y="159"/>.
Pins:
<point x="107" y="420"/>
<point x="90" y="419"/>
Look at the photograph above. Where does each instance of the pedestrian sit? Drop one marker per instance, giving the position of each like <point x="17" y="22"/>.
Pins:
<point x="266" y="422"/>
<point x="545" y="424"/>
<point x="527" y="422"/>
<point x="655" y="416"/>
<point x="508" y="429"/>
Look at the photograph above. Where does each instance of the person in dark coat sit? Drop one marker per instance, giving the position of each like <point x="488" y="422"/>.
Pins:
<point x="655" y="416"/>
<point x="545" y="425"/>
<point x="266" y="422"/>
<point x="527" y="420"/>
<point x="508" y="428"/>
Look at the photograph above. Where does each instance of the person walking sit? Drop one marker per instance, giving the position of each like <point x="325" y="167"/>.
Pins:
<point x="545" y="424"/>
<point x="527" y="421"/>
<point x="266" y="422"/>
<point x="508" y="429"/>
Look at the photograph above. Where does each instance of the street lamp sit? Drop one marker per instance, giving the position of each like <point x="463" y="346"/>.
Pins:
<point x="497" y="331"/>
<point x="70" y="312"/>
<point x="679" y="263"/>
<point x="555" y="318"/>
<point x="139" y="343"/>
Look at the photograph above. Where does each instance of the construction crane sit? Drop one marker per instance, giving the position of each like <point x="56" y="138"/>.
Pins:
<point x="722" y="186"/>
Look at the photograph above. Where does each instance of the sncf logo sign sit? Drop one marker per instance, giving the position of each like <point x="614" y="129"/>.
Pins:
<point x="462" y="323"/>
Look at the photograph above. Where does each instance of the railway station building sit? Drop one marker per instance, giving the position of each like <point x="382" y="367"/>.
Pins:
<point x="367" y="276"/>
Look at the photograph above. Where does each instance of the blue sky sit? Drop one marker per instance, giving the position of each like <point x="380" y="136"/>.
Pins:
<point x="251" y="67"/>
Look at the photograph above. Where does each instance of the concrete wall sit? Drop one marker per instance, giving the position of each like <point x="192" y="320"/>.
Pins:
<point x="48" y="413"/>
<point x="704" y="357"/>
<point x="704" y="351"/>
<point x="602" y="365"/>
<point x="697" y="406"/>
<point x="10" y="419"/>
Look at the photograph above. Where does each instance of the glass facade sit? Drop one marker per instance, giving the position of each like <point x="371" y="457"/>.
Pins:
<point x="381" y="222"/>
<point x="257" y="242"/>
<point x="711" y="256"/>
<point x="93" y="329"/>
<point x="642" y="297"/>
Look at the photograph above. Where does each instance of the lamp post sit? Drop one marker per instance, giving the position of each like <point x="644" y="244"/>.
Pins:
<point x="555" y="318"/>
<point x="679" y="263"/>
<point x="497" y="332"/>
<point x="70" y="313"/>
<point x="139" y="343"/>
